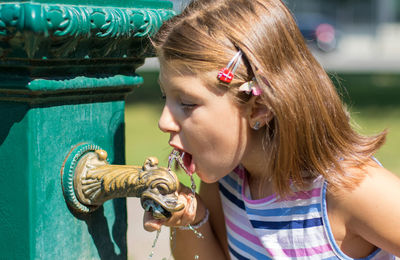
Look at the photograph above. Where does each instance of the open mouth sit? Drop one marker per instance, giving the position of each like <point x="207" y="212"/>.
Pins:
<point x="185" y="160"/>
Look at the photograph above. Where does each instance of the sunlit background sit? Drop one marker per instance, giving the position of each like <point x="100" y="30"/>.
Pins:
<point x="356" y="41"/>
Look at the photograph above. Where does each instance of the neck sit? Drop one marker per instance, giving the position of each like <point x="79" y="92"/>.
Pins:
<point x="259" y="186"/>
<point x="259" y="173"/>
<point x="256" y="159"/>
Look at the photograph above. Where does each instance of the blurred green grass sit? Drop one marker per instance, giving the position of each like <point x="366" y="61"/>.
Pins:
<point x="372" y="120"/>
<point x="143" y="138"/>
<point x="373" y="99"/>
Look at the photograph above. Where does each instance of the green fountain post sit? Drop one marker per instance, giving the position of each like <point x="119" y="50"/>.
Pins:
<point x="65" y="69"/>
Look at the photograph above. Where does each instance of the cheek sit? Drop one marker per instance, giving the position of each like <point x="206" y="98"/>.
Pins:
<point x="219" y="134"/>
<point x="222" y="149"/>
<point x="216" y="136"/>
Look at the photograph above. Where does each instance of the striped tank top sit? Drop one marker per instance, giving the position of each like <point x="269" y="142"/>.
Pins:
<point x="296" y="227"/>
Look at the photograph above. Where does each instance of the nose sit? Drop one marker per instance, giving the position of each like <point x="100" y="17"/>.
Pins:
<point x="167" y="123"/>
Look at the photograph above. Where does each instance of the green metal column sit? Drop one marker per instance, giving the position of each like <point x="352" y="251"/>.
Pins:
<point x="65" y="69"/>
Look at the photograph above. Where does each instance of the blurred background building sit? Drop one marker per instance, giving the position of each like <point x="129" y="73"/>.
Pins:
<point x="345" y="35"/>
<point x="356" y="35"/>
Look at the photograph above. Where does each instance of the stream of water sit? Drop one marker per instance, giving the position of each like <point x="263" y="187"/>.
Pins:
<point x="177" y="157"/>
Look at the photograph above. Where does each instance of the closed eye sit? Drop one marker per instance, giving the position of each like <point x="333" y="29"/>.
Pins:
<point x="188" y="106"/>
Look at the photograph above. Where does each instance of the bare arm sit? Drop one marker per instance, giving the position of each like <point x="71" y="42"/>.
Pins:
<point x="186" y="244"/>
<point x="372" y="210"/>
<point x="212" y="200"/>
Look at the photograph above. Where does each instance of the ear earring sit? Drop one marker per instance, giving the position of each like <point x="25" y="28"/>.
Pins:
<point x="257" y="125"/>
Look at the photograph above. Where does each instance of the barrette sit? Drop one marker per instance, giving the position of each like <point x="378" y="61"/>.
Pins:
<point x="251" y="87"/>
<point x="226" y="74"/>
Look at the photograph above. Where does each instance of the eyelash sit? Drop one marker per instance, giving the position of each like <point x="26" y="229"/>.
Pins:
<point x="188" y="106"/>
<point x="184" y="105"/>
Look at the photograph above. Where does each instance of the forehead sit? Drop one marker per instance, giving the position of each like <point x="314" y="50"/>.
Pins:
<point x="171" y="78"/>
<point x="173" y="69"/>
<point x="175" y="75"/>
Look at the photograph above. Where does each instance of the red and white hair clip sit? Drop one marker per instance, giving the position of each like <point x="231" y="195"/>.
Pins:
<point x="226" y="74"/>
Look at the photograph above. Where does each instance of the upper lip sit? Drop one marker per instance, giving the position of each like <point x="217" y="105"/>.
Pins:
<point x="176" y="147"/>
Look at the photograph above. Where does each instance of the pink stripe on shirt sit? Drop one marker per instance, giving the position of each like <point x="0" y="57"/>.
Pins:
<point x="308" y="251"/>
<point x="243" y="233"/>
<point x="304" y="195"/>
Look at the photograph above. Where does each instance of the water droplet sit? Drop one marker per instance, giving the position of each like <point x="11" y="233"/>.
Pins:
<point x="197" y="233"/>
<point x="177" y="156"/>
<point x="172" y="238"/>
<point x="172" y="157"/>
<point x="156" y="239"/>
<point x="193" y="187"/>
<point x="154" y="243"/>
<point x="196" y="257"/>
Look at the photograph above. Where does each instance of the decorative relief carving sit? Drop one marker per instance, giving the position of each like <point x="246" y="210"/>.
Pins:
<point x="64" y="27"/>
<point x="79" y="21"/>
<point x="10" y="15"/>
<point x="67" y="21"/>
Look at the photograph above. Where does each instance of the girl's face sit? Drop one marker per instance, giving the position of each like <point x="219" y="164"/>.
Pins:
<point x="208" y="126"/>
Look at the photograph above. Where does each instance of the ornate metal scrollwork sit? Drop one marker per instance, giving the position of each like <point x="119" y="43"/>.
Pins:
<point x="111" y="31"/>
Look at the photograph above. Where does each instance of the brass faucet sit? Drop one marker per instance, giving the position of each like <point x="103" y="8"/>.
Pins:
<point x="88" y="181"/>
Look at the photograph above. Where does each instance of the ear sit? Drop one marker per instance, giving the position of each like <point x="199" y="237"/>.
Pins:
<point x="258" y="112"/>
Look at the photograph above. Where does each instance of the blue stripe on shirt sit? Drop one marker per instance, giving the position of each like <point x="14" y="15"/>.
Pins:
<point x="246" y="248"/>
<point x="285" y="211"/>
<point x="236" y="254"/>
<point x="233" y="183"/>
<point x="294" y="224"/>
<point x="231" y="197"/>
<point x="331" y="258"/>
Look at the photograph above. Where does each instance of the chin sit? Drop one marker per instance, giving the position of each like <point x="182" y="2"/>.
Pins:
<point x="207" y="178"/>
<point x="210" y="181"/>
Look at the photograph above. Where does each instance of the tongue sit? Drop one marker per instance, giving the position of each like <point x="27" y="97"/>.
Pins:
<point x="188" y="162"/>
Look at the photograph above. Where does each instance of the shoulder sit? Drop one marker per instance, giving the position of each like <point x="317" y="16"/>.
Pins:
<point x="379" y="189"/>
<point x="371" y="210"/>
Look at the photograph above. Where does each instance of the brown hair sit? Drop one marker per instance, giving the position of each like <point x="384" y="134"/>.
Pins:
<point x="310" y="132"/>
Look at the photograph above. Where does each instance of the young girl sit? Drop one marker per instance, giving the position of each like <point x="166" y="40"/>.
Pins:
<point x="256" y="117"/>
